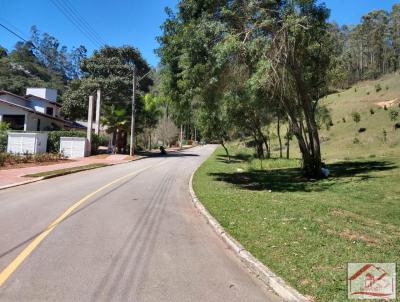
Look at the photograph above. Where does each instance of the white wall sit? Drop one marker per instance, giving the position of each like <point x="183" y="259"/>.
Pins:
<point x="41" y="105"/>
<point x="46" y="93"/>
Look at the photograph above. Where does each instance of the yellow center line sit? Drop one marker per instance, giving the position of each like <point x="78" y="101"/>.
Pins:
<point x="10" y="269"/>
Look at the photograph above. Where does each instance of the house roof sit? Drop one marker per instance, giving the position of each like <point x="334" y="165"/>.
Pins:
<point x="15" y="95"/>
<point x="28" y="96"/>
<point x="34" y="111"/>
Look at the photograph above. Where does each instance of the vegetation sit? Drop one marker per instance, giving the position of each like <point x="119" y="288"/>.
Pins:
<point x="41" y="62"/>
<point x="306" y="232"/>
<point x="3" y="136"/>
<point x="14" y="159"/>
<point x="61" y="172"/>
<point x="239" y="66"/>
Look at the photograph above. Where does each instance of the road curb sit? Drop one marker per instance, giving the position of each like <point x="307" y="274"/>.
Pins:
<point x="21" y="183"/>
<point x="270" y="279"/>
<point x="59" y="175"/>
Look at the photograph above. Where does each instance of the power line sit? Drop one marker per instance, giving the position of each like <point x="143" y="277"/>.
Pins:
<point x="73" y="19"/>
<point x="17" y="35"/>
<point x="83" y="21"/>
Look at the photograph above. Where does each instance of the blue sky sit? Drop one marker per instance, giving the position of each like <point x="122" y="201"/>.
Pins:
<point x="134" y="22"/>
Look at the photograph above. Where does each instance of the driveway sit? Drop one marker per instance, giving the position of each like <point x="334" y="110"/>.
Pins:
<point x="121" y="233"/>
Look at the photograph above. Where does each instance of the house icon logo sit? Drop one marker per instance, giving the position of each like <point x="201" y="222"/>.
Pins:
<point x="371" y="281"/>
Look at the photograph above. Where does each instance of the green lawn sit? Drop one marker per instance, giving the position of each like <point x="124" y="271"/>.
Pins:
<point x="304" y="231"/>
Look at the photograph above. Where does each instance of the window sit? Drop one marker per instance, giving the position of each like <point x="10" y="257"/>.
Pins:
<point x="16" y="122"/>
<point x="49" y="111"/>
<point x="38" y="125"/>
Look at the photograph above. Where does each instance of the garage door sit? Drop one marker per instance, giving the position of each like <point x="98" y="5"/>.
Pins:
<point x="73" y="147"/>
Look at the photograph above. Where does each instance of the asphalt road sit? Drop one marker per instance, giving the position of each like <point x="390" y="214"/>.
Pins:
<point x="138" y="238"/>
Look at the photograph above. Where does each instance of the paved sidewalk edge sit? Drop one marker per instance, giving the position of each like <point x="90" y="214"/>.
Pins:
<point x="64" y="174"/>
<point x="270" y="279"/>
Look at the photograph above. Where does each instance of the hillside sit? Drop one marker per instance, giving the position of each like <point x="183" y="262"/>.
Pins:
<point x="343" y="140"/>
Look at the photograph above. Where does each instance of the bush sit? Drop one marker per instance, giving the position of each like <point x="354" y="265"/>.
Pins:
<point x="372" y="111"/>
<point x="356" y="140"/>
<point x="356" y="117"/>
<point x="385" y="107"/>
<point x="361" y="130"/>
<point x="344" y="120"/>
<point x="393" y="115"/>
<point x="3" y="136"/>
<point x="378" y="87"/>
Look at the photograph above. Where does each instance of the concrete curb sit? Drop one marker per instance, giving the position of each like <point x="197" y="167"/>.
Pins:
<point x="59" y="175"/>
<point x="271" y="280"/>
<point x="21" y="183"/>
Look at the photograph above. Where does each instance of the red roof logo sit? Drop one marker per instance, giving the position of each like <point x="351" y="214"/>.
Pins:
<point x="372" y="281"/>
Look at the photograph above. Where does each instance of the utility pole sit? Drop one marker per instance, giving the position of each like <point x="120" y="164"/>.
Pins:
<point x="89" y="123"/>
<point x="181" y="136"/>
<point x="132" y="150"/>
<point x="98" y="102"/>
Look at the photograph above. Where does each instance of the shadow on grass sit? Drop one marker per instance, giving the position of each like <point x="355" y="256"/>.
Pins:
<point x="292" y="180"/>
<point x="235" y="158"/>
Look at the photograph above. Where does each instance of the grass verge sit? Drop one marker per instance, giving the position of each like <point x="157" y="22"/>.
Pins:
<point x="307" y="232"/>
<point x="61" y="172"/>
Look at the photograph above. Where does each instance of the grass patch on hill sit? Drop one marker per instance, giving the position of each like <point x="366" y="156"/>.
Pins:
<point x="306" y="231"/>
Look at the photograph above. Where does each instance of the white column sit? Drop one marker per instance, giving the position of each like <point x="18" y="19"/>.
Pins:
<point x="98" y="102"/>
<point x="26" y="122"/>
<point x="90" y="123"/>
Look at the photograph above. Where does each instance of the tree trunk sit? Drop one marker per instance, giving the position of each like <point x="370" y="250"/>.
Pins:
<point x="278" y="128"/>
<point x="288" y="133"/>
<point x="226" y="150"/>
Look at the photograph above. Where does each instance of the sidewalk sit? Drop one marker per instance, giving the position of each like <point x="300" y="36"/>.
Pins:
<point x="16" y="176"/>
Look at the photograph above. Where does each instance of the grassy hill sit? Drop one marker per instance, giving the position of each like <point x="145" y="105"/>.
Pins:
<point x="343" y="141"/>
<point x="307" y="231"/>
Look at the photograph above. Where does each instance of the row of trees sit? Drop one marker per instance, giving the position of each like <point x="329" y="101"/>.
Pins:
<point x="233" y="67"/>
<point x="367" y="50"/>
<point x="40" y="62"/>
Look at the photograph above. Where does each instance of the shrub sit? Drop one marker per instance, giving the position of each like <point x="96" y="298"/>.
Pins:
<point x="384" y="133"/>
<point x="356" y="117"/>
<point x="387" y="87"/>
<point x="367" y="92"/>
<point x="3" y="158"/>
<point x="393" y="115"/>
<point x="361" y="130"/>
<point x="372" y="111"/>
<point x="344" y="120"/>
<point x="356" y="140"/>
<point x="378" y="87"/>
<point x="385" y="107"/>
<point x="3" y="136"/>
<point x="355" y="89"/>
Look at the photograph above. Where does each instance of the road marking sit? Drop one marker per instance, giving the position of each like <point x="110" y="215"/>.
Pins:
<point x="10" y="269"/>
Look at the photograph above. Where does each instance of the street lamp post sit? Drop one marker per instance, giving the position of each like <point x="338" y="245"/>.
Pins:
<point x="131" y="147"/>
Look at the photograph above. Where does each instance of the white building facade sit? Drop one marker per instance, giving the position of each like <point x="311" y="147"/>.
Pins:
<point x="38" y="110"/>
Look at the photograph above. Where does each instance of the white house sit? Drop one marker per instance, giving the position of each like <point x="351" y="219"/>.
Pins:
<point x="38" y="110"/>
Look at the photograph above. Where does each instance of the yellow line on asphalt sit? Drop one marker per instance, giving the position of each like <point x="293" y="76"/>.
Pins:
<point x="9" y="270"/>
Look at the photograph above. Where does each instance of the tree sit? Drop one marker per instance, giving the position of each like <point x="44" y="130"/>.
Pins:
<point x="110" y="69"/>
